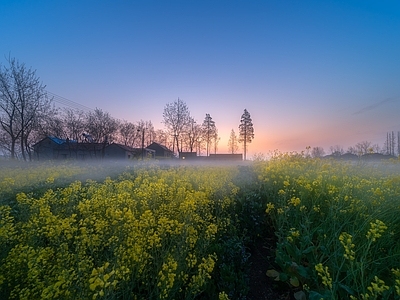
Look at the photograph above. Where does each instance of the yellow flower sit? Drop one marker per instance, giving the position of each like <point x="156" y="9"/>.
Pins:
<point x="376" y="230"/>
<point x="347" y="243"/>
<point x="324" y="274"/>
<point x="223" y="296"/>
<point x="270" y="207"/>
<point x="377" y="287"/>
<point x="295" y="201"/>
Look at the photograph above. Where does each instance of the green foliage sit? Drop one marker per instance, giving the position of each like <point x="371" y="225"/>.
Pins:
<point x="153" y="233"/>
<point x="337" y="225"/>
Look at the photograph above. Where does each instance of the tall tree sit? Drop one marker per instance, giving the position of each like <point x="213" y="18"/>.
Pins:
<point x="127" y="133"/>
<point x="317" y="152"/>
<point x="100" y="126"/>
<point x="216" y="140"/>
<point x="74" y="124"/>
<point x="150" y="133"/>
<point x="162" y="137"/>
<point x="193" y="135"/>
<point x="363" y="147"/>
<point x="23" y="100"/>
<point x="246" y="131"/>
<point x="209" y="131"/>
<point x="233" y="142"/>
<point x="176" y="118"/>
<point x="336" y="150"/>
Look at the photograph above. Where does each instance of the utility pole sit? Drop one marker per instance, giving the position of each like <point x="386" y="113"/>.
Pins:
<point x="142" y="143"/>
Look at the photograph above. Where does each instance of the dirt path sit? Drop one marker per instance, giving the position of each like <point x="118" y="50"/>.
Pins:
<point x="262" y="287"/>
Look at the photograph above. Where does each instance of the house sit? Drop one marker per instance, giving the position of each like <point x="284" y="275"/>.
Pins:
<point x="119" y="151"/>
<point x="160" y="150"/>
<point x="55" y="148"/>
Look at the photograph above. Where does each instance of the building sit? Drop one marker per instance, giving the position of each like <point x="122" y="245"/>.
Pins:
<point x="56" y="148"/>
<point x="118" y="151"/>
<point x="160" y="150"/>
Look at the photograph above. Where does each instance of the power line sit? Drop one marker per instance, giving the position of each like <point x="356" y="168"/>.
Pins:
<point x="66" y="102"/>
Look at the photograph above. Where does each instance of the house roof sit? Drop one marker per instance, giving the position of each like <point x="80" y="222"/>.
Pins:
<point x="126" y="148"/>
<point x="57" y="140"/>
<point x="159" y="145"/>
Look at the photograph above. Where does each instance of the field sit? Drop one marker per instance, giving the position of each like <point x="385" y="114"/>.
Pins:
<point x="153" y="231"/>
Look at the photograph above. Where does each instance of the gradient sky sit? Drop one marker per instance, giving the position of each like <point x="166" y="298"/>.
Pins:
<point x="310" y="73"/>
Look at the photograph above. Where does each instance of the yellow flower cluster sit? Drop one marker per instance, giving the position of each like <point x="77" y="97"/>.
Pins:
<point x="295" y="201"/>
<point x="270" y="207"/>
<point x="396" y="273"/>
<point x="323" y="272"/>
<point x="293" y="234"/>
<point x="347" y="242"/>
<point x="376" y="288"/>
<point x="376" y="230"/>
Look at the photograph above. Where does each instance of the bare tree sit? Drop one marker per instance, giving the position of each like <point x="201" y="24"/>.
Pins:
<point x="150" y="133"/>
<point x="317" y="152"/>
<point x="100" y="126"/>
<point x="74" y="124"/>
<point x="176" y="118"/>
<point x="246" y="131"/>
<point x="127" y="133"/>
<point x="233" y="142"/>
<point x="216" y="140"/>
<point x="193" y="135"/>
<point x="363" y="147"/>
<point x="23" y="100"/>
<point x="209" y="131"/>
<point x="161" y="137"/>
<point x="336" y="150"/>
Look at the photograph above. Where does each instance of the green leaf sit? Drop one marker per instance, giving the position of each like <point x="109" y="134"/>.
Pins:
<point x="283" y="277"/>
<point x="294" y="281"/>
<point x="308" y="250"/>
<point x="347" y="289"/>
<point x="302" y="271"/>
<point x="314" y="296"/>
<point x="300" y="295"/>
<point x="273" y="274"/>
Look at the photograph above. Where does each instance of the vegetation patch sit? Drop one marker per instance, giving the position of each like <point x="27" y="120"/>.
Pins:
<point x="331" y="230"/>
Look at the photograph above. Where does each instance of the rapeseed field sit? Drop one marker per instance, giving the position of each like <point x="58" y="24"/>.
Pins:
<point x="151" y="231"/>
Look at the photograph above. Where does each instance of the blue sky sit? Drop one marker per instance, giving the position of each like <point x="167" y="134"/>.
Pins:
<point x="310" y="73"/>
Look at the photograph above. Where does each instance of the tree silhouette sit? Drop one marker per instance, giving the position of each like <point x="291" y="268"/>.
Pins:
<point x="209" y="131"/>
<point x="232" y="143"/>
<point x="176" y="118"/>
<point x="246" y="131"/>
<point x="23" y="104"/>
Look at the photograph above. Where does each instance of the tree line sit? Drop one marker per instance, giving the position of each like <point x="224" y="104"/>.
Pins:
<point x="28" y="114"/>
<point x="361" y="148"/>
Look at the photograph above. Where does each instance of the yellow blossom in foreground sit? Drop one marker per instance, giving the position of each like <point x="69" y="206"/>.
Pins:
<point x="376" y="230"/>
<point x="223" y="296"/>
<point x="324" y="274"/>
<point x="295" y="201"/>
<point x="270" y="207"/>
<point x="347" y="243"/>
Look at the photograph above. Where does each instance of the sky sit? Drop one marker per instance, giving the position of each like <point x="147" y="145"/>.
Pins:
<point x="310" y="73"/>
